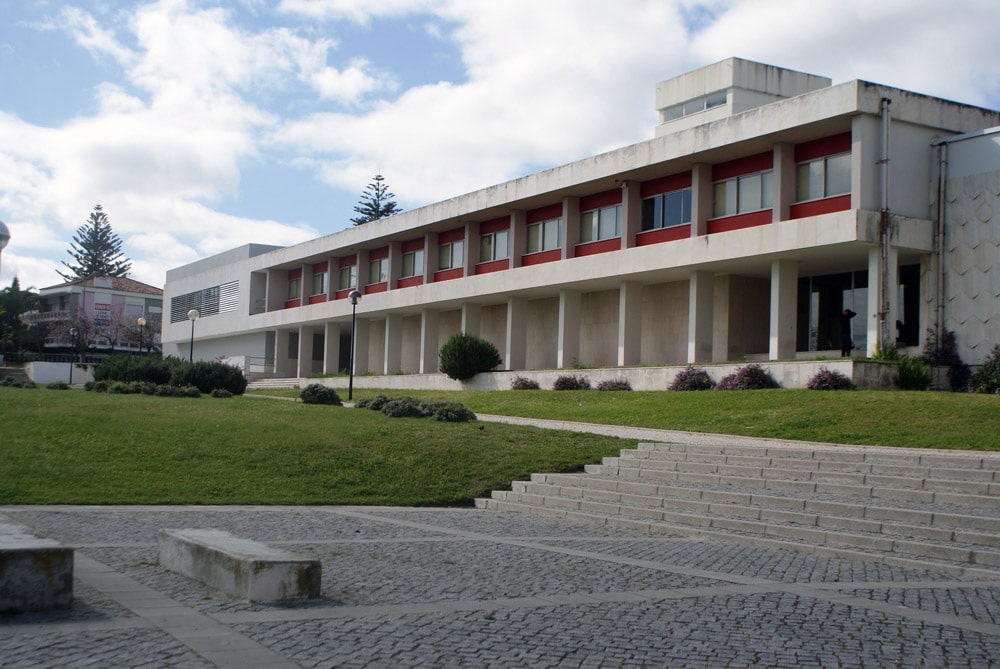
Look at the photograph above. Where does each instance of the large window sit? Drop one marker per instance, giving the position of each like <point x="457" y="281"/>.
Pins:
<point x="295" y="288"/>
<point x="544" y="235"/>
<point x="208" y="301"/>
<point x="413" y="263"/>
<point x="319" y="283"/>
<point x="451" y="255"/>
<point x="603" y="223"/>
<point x="377" y="271"/>
<point x="742" y="194"/>
<point x="348" y="277"/>
<point x="493" y="246"/>
<point x="666" y="210"/>
<point x="694" y="106"/>
<point x="823" y="177"/>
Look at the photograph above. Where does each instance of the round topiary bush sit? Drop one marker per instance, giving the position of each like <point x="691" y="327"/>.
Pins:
<point x="692" y="378"/>
<point x="316" y="393"/>
<point x="748" y="377"/>
<point x="571" y="382"/>
<point x="829" y="379"/>
<point x="464" y="355"/>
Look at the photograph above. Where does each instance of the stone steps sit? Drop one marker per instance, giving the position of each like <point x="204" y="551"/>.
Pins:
<point x="941" y="511"/>
<point x="273" y="384"/>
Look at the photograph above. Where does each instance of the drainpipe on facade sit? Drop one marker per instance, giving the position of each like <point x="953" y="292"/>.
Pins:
<point x="885" y="231"/>
<point x="938" y="253"/>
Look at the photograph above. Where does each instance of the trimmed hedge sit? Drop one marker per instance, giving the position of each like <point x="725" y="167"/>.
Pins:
<point x="464" y="355"/>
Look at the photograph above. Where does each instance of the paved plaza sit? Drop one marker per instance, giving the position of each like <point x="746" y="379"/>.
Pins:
<point x="406" y="587"/>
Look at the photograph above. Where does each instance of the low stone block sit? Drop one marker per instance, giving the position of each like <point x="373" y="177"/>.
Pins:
<point x="241" y="567"/>
<point x="36" y="574"/>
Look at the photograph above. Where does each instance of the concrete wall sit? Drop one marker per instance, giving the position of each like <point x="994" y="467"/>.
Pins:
<point x="665" y="323"/>
<point x="542" y="333"/>
<point x="599" y="329"/>
<point x="44" y="373"/>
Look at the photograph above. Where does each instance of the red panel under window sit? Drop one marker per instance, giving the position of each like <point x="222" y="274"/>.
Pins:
<point x="295" y="273"/>
<point x="376" y="288"/>
<point x="293" y="303"/>
<point x="753" y="219"/>
<point x="748" y="165"/>
<point x="349" y="261"/>
<point x="817" y="207"/>
<point x="827" y="146"/>
<point x="663" y="235"/>
<point x="379" y="254"/>
<point x="408" y="281"/>
<point x="319" y="268"/>
<point x="492" y="266"/>
<point x="316" y="299"/>
<point x="545" y="213"/>
<point x="541" y="257"/>
<point x="342" y="294"/>
<point x="605" y="199"/>
<point x="413" y="245"/>
<point x="601" y="246"/>
<point x="665" y="184"/>
<point x="448" y="274"/>
<point x="496" y="225"/>
<point x="455" y="235"/>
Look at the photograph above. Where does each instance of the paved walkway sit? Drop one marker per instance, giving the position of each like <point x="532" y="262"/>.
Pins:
<point x="406" y="587"/>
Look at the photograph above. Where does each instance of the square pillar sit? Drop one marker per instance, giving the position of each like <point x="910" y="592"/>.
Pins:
<point x="429" y="320"/>
<point x="393" y="344"/>
<point x="629" y="323"/>
<point x="632" y="210"/>
<point x="569" y="328"/>
<point x="304" y="366"/>
<point x="331" y="348"/>
<point x="282" y="361"/>
<point x="783" y="182"/>
<point x="700" y="317"/>
<point x="701" y="198"/>
<point x="517" y="332"/>
<point x="361" y="334"/>
<point x="784" y="303"/>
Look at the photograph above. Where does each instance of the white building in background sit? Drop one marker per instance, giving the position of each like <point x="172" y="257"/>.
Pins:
<point x="767" y="202"/>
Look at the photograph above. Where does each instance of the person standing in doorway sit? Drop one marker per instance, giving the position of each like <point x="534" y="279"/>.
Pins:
<point x="846" y="338"/>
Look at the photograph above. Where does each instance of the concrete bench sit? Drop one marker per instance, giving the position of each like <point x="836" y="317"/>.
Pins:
<point x="35" y="574"/>
<point x="240" y="567"/>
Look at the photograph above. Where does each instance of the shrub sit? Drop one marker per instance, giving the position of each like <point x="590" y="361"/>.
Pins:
<point x="146" y="369"/>
<point x="464" y="355"/>
<point x="614" y="384"/>
<point x="186" y="391"/>
<point x="119" y="388"/>
<point x="316" y="393"/>
<point x="829" y="379"/>
<point x="9" y="382"/>
<point x="453" y="412"/>
<point x="885" y="352"/>
<point x="27" y="385"/>
<point x="58" y="385"/>
<point x="374" y="403"/>
<point x="206" y="376"/>
<point x="913" y="374"/>
<point x="405" y="407"/>
<point x="748" y="377"/>
<point x="522" y="383"/>
<point x="571" y="382"/>
<point x="222" y="393"/>
<point x="943" y="352"/>
<point x="692" y="378"/>
<point x="987" y="379"/>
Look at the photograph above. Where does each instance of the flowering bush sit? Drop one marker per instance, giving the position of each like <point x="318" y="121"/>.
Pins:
<point x="571" y="382"/>
<point x="692" y="378"/>
<point x="829" y="379"/>
<point x="614" y="384"/>
<point x="748" y="377"/>
<point x="522" y="383"/>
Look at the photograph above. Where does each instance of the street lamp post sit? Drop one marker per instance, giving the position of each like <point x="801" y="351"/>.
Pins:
<point x="354" y="296"/>
<point x="192" y="316"/>
<point x="142" y="331"/>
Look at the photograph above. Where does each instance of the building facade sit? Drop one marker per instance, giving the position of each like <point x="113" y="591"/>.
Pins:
<point x="767" y="203"/>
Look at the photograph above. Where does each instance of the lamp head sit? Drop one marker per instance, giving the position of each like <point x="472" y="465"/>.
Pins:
<point x="193" y="315"/>
<point x="4" y="235"/>
<point x="354" y="296"/>
<point x="141" y="322"/>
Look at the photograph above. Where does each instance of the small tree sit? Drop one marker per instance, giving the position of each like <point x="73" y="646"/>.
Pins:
<point x="96" y="250"/>
<point x="15" y="334"/>
<point x="376" y="202"/>
<point x="464" y="355"/>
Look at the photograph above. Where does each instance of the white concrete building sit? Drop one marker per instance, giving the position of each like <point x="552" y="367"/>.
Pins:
<point x="768" y="202"/>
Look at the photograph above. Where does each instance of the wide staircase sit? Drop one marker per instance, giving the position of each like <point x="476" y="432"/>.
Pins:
<point x="903" y="507"/>
<point x="272" y="384"/>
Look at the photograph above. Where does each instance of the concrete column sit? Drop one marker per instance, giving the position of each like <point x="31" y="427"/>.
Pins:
<point x="701" y="198"/>
<point x="518" y="240"/>
<point x="471" y="248"/>
<point x="866" y="147"/>
<point x="629" y="323"/>
<point x="700" y="317"/>
<point x="571" y="226"/>
<point x="721" y="304"/>
<point x="784" y="181"/>
<point x="784" y="304"/>
<point x="393" y="344"/>
<point x="395" y="263"/>
<point x="874" y="324"/>
<point x="331" y="348"/>
<point x="362" y="270"/>
<point x="517" y="332"/>
<point x="361" y="342"/>
<point x="432" y="249"/>
<point x="569" y="328"/>
<point x="471" y="313"/>
<point x="304" y="366"/>
<point x="429" y="320"/>
<point x="282" y="363"/>
<point x="632" y="211"/>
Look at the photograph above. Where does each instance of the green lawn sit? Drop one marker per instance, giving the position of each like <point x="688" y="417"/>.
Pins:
<point x="73" y="447"/>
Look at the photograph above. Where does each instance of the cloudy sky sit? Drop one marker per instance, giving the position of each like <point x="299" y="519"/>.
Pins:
<point x="201" y="125"/>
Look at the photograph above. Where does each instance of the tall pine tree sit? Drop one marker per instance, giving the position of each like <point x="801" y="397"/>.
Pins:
<point x="376" y="202"/>
<point x="96" y="250"/>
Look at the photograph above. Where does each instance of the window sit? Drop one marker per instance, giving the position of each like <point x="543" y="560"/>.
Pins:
<point x="693" y="106"/>
<point x="544" y="235"/>
<point x="294" y="288"/>
<point x="666" y="210"/>
<point x="319" y="283"/>
<point x="413" y="263"/>
<point x="598" y="224"/>
<point x="348" y="277"/>
<point x="493" y="246"/>
<point x="377" y="271"/>
<point x="208" y="301"/>
<point x="750" y="192"/>
<point x="823" y="177"/>
<point x="451" y="255"/>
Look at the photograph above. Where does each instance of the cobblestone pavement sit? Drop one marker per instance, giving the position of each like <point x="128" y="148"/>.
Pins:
<point x="466" y="588"/>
